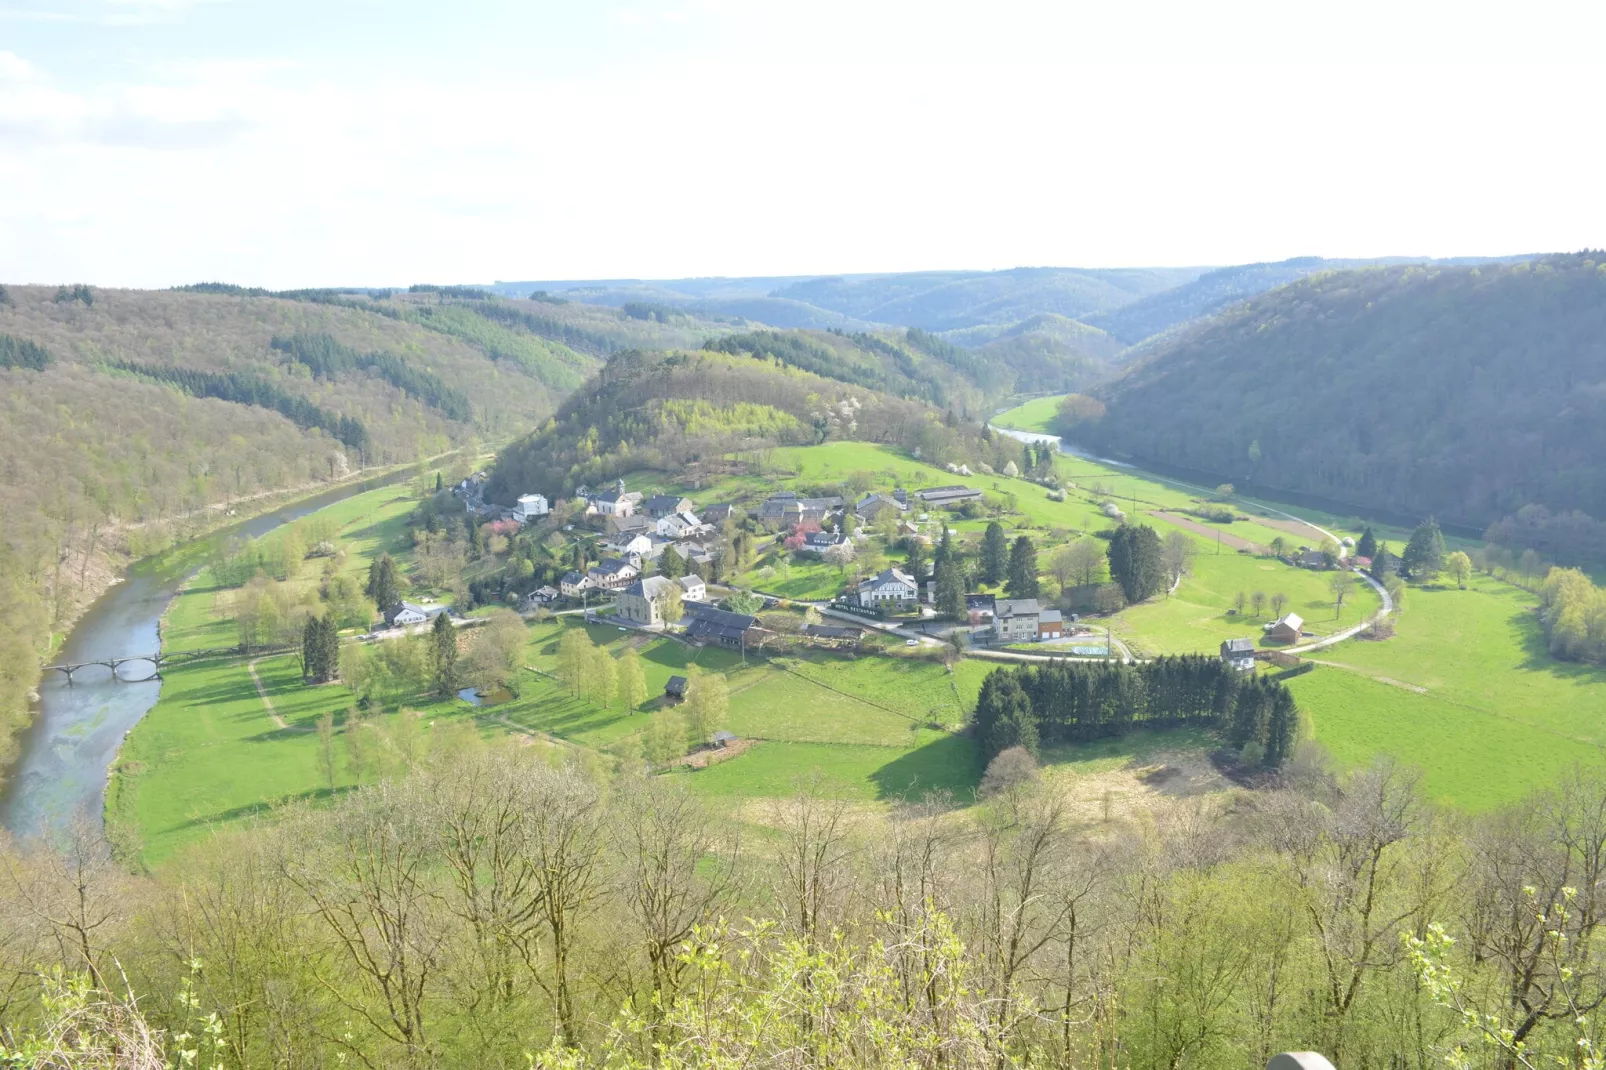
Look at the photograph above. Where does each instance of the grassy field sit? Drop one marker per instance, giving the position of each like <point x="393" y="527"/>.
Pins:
<point x="1035" y="415"/>
<point x="1196" y="619"/>
<point x="1465" y="690"/>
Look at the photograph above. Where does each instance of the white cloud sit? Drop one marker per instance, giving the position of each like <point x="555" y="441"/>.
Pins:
<point x="13" y="69"/>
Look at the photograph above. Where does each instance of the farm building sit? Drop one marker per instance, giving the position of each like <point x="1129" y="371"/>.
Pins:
<point x="1285" y="629"/>
<point x="1050" y="624"/>
<point x="675" y="688"/>
<point x="705" y="624"/>
<point x="944" y="496"/>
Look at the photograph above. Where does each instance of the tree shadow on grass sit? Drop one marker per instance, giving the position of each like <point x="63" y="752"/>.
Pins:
<point x="949" y="764"/>
<point x="235" y="813"/>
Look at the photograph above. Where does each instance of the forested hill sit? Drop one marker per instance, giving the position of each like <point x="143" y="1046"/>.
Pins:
<point x="1043" y="354"/>
<point x="669" y="410"/>
<point x="1463" y="392"/>
<point x="126" y="415"/>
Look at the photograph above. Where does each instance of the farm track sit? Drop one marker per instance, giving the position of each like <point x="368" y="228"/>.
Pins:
<point x="1234" y="541"/>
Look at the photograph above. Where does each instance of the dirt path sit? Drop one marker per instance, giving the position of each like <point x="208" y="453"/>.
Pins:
<point x="251" y="667"/>
<point x="1301" y="528"/>
<point x="1212" y="532"/>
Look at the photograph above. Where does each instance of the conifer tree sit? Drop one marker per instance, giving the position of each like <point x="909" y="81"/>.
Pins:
<point x="383" y="586"/>
<point x="1136" y="562"/>
<point x="1424" y="555"/>
<point x="994" y="554"/>
<point x="1367" y="546"/>
<point x="1022" y="569"/>
<point x="671" y="564"/>
<point x="443" y="655"/>
<point x="950" y="590"/>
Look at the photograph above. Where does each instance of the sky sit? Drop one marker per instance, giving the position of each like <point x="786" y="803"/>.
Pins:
<point x="289" y="143"/>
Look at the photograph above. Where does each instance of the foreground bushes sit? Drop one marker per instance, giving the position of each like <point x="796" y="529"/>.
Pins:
<point x="490" y="905"/>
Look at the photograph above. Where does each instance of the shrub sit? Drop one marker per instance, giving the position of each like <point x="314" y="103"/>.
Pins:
<point x="1010" y="768"/>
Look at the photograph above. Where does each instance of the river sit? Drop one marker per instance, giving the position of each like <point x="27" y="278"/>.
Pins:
<point x="78" y="727"/>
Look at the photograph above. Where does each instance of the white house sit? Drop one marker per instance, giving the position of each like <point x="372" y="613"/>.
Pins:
<point x="531" y="507"/>
<point x="679" y="525"/>
<point x="402" y="614"/>
<point x="1015" y="619"/>
<point x="892" y="589"/>
<point x="692" y="588"/>
<point x="625" y="546"/>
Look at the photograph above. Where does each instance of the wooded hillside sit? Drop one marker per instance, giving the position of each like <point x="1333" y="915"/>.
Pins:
<point x="125" y="415"/>
<point x="1463" y="392"/>
<point x="664" y="410"/>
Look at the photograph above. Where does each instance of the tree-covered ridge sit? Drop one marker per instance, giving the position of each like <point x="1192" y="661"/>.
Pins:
<point x="1463" y="392"/>
<point x="664" y="410"/>
<point x="946" y="300"/>
<point x="863" y="359"/>
<point x="252" y="390"/>
<point x="921" y="365"/>
<point x="228" y="332"/>
<point x="327" y="358"/>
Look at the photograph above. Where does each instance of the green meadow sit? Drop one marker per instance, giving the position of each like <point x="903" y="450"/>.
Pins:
<point x="1035" y="415"/>
<point x="1465" y="690"/>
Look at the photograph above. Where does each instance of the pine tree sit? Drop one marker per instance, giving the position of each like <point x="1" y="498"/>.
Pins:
<point x="439" y="483"/>
<point x="1136" y="562"/>
<point x="950" y="590"/>
<point x="1280" y="727"/>
<point x="313" y="669"/>
<point x="1367" y="546"/>
<point x="1004" y="716"/>
<point x="994" y="554"/>
<point x="1423" y="559"/>
<point x="443" y="655"/>
<point x="1022" y="569"/>
<point x="383" y="587"/>
<point x="671" y="564"/>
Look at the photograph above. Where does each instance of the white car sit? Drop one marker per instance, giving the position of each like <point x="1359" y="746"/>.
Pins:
<point x="911" y="642"/>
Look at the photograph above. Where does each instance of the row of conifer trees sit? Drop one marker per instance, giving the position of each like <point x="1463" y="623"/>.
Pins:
<point x="1068" y="701"/>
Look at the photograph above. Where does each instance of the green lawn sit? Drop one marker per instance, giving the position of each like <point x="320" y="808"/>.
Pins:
<point x="852" y="771"/>
<point x="1035" y="415"/>
<point x="1195" y="619"/>
<point x="1484" y="647"/>
<point x="1472" y="758"/>
<point x="209" y="754"/>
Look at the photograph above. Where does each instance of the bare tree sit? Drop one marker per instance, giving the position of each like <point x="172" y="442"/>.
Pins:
<point x="813" y="867"/>
<point x="1538" y="871"/>
<point x="74" y="893"/>
<point x="1177" y="555"/>
<point x="366" y="871"/>
<point x="566" y="843"/>
<point x="676" y="868"/>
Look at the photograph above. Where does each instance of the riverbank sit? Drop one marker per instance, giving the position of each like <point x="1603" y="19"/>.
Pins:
<point x="173" y="547"/>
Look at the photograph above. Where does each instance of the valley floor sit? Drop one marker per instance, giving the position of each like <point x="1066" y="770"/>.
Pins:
<point x="1465" y="690"/>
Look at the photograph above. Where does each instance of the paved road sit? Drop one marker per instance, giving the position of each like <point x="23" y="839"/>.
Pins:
<point x="1339" y="637"/>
